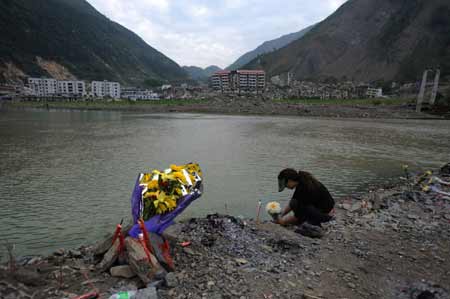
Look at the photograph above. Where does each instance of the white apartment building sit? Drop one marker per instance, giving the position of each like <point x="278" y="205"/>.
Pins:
<point x="134" y="94"/>
<point x="43" y="86"/>
<point x="106" y="89"/>
<point x="53" y="87"/>
<point x="72" y="88"/>
<point x="374" y="92"/>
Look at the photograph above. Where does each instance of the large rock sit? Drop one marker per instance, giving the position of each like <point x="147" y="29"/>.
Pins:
<point x="122" y="271"/>
<point x="28" y="277"/>
<point x="139" y="263"/>
<point x="110" y="257"/>
<point x="173" y="233"/>
<point x="103" y="246"/>
<point x="171" y="280"/>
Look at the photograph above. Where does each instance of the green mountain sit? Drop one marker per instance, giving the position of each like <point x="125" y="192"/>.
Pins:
<point x="267" y="47"/>
<point x="369" y="40"/>
<point x="197" y="73"/>
<point x="69" y="38"/>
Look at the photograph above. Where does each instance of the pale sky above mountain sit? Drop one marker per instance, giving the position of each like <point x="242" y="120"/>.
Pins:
<point x="206" y="32"/>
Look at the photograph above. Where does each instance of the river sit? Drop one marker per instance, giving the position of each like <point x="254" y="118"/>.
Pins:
<point x="66" y="176"/>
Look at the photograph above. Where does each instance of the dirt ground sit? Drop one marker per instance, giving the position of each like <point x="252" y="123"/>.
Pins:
<point x="255" y="106"/>
<point x="390" y="243"/>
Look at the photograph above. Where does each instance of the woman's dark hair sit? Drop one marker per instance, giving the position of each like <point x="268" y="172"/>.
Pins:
<point x="305" y="178"/>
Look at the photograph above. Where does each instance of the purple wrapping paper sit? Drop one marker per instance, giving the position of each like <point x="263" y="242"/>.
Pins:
<point x="136" y="200"/>
<point x="157" y="224"/>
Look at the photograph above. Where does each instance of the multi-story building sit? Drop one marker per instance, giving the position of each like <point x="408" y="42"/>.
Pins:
<point x="374" y="92"/>
<point x="249" y="80"/>
<point x="105" y="89"/>
<point x="239" y="81"/>
<point x="221" y="80"/>
<point x="43" y="86"/>
<point x="72" y="88"/>
<point x="53" y="87"/>
<point x="134" y="94"/>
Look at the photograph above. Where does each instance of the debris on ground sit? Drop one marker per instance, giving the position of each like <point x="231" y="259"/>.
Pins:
<point x="389" y="243"/>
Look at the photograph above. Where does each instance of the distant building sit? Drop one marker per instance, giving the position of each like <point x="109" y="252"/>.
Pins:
<point x="221" y="81"/>
<point x="134" y="94"/>
<point x="283" y="79"/>
<point x="105" y="89"/>
<point x="43" y="86"/>
<point x="53" y="87"/>
<point x="251" y="80"/>
<point x="239" y="81"/>
<point x="374" y="92"/>
<point x="71" y="88"/>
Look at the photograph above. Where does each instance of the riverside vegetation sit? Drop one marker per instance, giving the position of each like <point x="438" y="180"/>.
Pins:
<point x="248" y="104"/>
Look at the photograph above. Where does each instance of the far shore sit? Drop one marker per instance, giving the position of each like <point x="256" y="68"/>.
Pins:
<point x="348" y="108"/>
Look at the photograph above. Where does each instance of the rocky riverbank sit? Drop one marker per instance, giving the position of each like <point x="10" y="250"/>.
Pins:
<point x="390" y="243"/>
<point x="258" y="105"/>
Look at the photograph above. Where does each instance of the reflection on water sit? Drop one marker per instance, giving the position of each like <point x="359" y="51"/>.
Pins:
<point x="66" y="177"/>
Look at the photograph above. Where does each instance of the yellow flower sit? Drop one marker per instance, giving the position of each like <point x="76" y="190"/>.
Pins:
<point x="164" y="203"/>
<point x="428" y="172"/>
<point x="146" y="178"/>
<point x="194" y="167"/>
<point x="150" y="194"/>
<point x="177" y="168"/>
<point x="174" y="181"/>
<point x="152" y="184"/>
<point x="176" y="176"/>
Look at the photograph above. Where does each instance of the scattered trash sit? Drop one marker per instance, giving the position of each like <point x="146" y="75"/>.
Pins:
<point x="124" y="295"/>
<point x="439" y="191"/>
<point x="440" y="181"/>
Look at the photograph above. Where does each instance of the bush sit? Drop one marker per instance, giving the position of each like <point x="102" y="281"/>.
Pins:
<point x="376" y="102"/>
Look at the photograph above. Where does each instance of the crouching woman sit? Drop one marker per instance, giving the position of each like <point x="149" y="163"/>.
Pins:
<point x="311" y="202"/>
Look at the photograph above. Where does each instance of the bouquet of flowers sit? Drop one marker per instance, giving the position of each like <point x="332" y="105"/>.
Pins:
<point x="160" y="196"/>
<point x="163" y="189"/>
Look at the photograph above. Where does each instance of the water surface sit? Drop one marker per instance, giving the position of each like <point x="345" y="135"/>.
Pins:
<point x="66" y="176"/>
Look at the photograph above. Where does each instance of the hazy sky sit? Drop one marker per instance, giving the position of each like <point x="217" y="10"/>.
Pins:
<point x="205" y="32"/>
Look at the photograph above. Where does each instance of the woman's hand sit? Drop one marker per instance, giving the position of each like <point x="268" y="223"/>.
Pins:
<point x="286" y="210"/>
<point x="287" y="220"/>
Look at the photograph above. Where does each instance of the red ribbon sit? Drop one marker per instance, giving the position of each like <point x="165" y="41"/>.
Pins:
<point x="144" y="232"/>
<point x="118" y="234"/>
<point x="166" y="254"/>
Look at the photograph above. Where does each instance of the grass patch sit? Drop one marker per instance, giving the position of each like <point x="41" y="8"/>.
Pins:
<point x="101" y="104"/>
<point x="174" y="102"/>
<point x="337" y="102"/>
